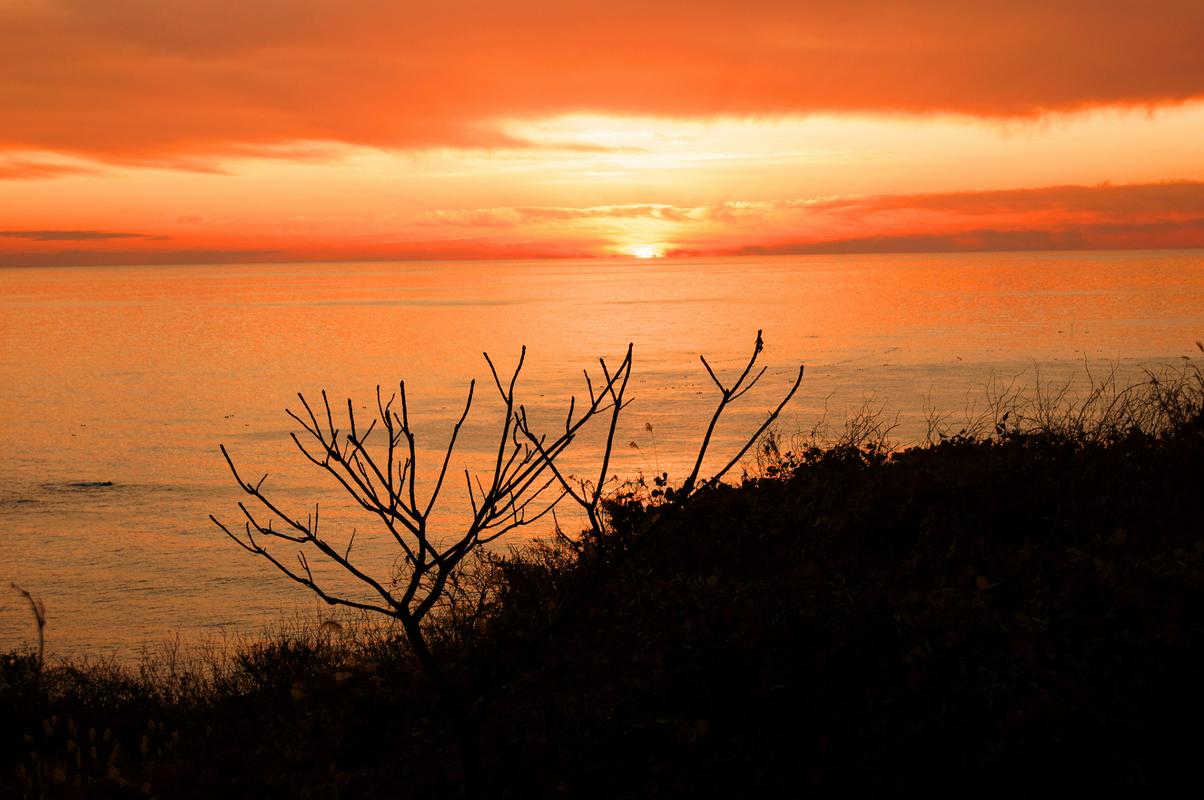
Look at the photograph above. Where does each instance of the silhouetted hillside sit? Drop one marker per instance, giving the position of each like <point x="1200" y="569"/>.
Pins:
<point x="1017" y="613"/>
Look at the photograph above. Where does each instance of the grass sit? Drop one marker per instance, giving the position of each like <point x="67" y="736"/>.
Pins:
<point x="1015" y="606"/>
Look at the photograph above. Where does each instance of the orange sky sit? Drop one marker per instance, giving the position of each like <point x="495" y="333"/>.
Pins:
<point x="185" y="131"/>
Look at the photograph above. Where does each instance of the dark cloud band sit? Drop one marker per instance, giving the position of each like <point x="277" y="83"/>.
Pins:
<point x="73" y="236"/>
<point x="145" y="81"/>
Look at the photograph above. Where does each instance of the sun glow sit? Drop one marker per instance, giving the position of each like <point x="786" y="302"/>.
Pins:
<point x="645" y="250"/>
<point x="628" y="187"/>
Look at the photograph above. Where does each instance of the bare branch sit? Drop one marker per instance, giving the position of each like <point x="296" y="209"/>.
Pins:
<point x="625" y="371"/>
<point x="496" y="380"/>
<point x="751" y="384"/>
<point x="527" y="485"/>
<point x="589" y="385"/>
<point x="764" y="426"/>
<point x="724" y="400"/>
<point x="711" y="372"/>
<point x="451" y="445"/>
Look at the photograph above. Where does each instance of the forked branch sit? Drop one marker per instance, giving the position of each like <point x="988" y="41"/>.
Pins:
<point x="727" y="396"/>
<point x="376" y="465"/>
<point x="589" y="496"/>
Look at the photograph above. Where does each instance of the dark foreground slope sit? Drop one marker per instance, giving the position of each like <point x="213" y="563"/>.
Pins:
<point x="990" y="615"/>
<point x="1018" y="614"/>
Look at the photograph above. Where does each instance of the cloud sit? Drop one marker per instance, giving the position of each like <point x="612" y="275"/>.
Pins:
<point x="531" y="215"/>
<point x="1172" y="197"/>
<point x="178" y="81"/>
<point x="433" y="250"/>
<point x="1169" y="235"/>
<point x="1152" y="215"/>
<point x="1155" y="215"/>
<point x="24" y="170"/>
<point x="75" y="236"/>
<point x="92" y="258"/>
<point x="1105" y="202"/>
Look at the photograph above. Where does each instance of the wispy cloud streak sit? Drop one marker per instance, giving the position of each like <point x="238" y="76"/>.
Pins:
<point x="74" y="236"/>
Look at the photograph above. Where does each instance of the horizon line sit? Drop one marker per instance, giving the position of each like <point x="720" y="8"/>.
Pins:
<point x="671" y="256"/>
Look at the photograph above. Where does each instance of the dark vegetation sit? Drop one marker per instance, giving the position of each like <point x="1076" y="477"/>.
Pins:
<point x="1015" y="607"/>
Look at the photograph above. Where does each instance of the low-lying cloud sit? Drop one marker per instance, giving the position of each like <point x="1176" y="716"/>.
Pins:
<point x="25" y="170"/>
<point x="75" y="236"/>
<point x="1153" y="215"/>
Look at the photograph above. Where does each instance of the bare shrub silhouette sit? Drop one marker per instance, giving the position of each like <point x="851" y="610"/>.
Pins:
<point x="526" y="485"/>
<point x="1087" y="407"/>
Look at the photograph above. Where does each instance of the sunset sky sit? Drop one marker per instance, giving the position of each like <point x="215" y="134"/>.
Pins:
<point x="198" y="131"/>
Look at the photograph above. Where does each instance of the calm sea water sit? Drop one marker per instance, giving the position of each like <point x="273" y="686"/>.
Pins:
<point x="118" y="384"/>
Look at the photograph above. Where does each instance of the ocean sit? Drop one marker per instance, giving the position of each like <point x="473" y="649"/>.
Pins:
<point x="117" y="384"/>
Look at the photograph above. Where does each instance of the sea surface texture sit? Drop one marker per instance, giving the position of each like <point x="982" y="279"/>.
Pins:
<point x="118" y="384"/>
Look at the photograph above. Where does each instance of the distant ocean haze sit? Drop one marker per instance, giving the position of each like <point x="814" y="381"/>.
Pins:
<point x="118" y="384"/>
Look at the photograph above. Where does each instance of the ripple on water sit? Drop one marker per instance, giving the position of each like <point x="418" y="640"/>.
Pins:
<point x="77" y="485"/>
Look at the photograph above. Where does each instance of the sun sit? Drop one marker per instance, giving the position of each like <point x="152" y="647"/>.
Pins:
<point x="645" y="250"/>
